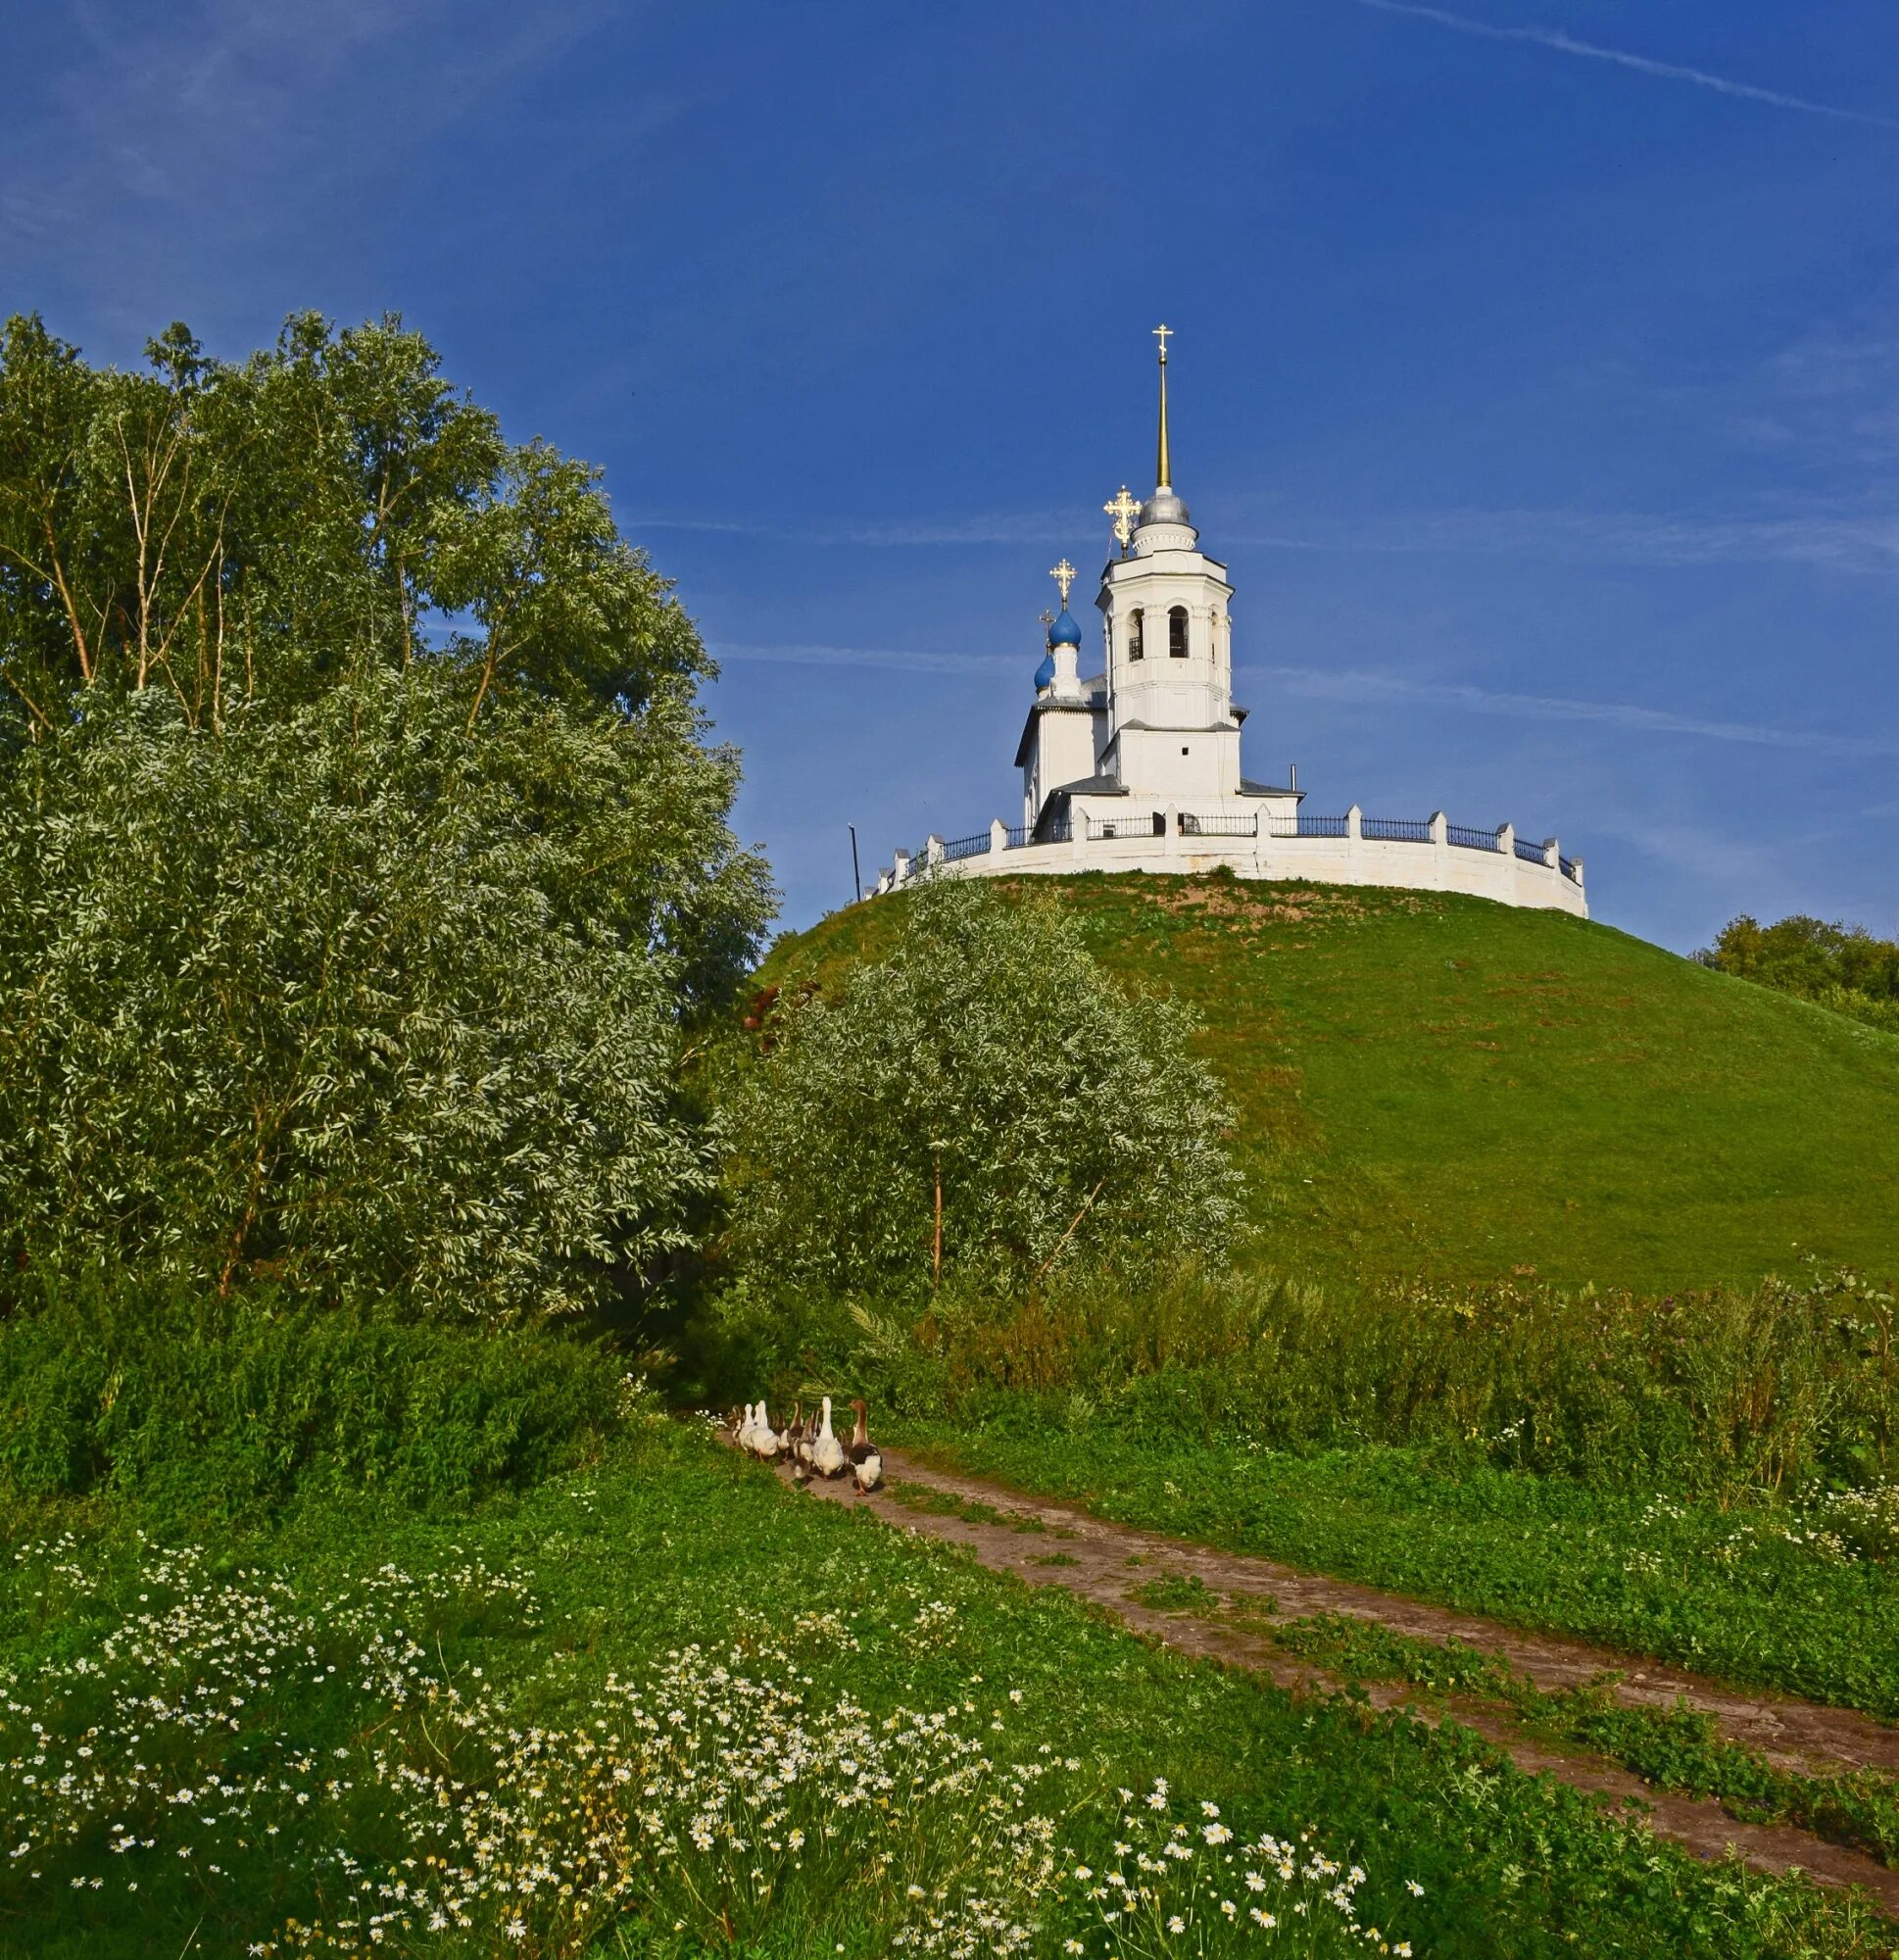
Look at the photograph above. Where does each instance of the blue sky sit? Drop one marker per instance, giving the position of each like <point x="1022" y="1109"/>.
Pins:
<point x="1537" y="371"/>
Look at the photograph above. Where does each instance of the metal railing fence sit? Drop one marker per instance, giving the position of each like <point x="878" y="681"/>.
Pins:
<point x="1193" y="825"/>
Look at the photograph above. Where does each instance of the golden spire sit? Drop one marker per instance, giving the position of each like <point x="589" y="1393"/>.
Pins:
<point x="1064" y="576"/>
<point x="1163" y="468"/>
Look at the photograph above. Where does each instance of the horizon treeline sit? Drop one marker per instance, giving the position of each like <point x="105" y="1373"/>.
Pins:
<point x="1835" y="965"/>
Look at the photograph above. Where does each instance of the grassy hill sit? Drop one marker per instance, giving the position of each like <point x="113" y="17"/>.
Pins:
<point x="1440" y="1085"/>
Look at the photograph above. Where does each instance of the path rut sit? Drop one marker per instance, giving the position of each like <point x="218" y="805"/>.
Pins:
<point x="1100" y="1561"/>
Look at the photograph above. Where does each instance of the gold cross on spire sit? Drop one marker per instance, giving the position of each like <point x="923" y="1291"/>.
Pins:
<point x="1163" y="333"/>
<point x="1064" y="576"/>
<point x="1122" y="509"/>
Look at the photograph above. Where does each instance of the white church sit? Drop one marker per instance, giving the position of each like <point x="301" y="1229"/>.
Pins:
<point x="1137" y="767"/>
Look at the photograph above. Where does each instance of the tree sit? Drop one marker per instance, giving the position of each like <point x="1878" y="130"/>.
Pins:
<point x="1839" y="966"/>
<point x="982" y="1103"/>
<point x="345" y="998"/>
<point x="264" y="529"/>
<point x="365" y="868"/>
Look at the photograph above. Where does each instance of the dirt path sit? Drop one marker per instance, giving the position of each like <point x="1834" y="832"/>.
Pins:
<point x="1048" y="1544"/>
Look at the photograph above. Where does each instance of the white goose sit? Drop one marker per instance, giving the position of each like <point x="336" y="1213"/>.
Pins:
<point x="765" y="1438"/>
<point x="827" y="1453"/>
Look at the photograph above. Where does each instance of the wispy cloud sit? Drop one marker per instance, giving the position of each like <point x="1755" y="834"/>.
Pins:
<point x="1717" y="860"/>
<point x="895" y="659"/>
<point x="1844" y="540"/>
<point x="1859" y="541"/>
<point x="996" y="527"/>
<point x="1562" y="43"/>
<point x="240" y="122"/>
<point x="1372" y="687"/>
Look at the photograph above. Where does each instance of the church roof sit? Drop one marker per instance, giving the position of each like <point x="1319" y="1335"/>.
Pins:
<point x="1175" y="727"/>
<point x="1057" y="798"/>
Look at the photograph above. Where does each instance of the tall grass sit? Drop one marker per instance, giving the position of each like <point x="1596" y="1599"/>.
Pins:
<point x="226" y="1409"/>
<point x="1772" y="1390"/>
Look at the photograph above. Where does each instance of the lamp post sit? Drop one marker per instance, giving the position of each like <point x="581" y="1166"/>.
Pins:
<point x="856" y="876"/>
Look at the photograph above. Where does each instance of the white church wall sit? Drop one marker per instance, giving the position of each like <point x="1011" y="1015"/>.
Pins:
<point x="1062" y="751"/>
<point x="1183" y="762"/>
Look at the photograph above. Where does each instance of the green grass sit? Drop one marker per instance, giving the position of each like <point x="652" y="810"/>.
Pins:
<point x="1677" y="1749"/>
<point x="1436" y="1085"/>
<point x="1723" y="1591"/>
<point x="666" y="1540"/>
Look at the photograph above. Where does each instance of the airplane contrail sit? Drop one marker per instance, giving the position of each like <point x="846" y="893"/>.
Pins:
<point x="1568" y="44"/>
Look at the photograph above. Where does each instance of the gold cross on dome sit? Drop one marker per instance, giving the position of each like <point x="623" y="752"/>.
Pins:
<point x="1064" y="576"/>
<point x="1122" y="509"/>
<point x="1163" y="333"/>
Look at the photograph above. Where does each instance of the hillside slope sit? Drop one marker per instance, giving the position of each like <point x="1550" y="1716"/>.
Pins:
<point x="1438" y="1085"/>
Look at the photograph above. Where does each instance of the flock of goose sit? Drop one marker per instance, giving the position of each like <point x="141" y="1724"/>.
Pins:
<point x="808" y="1445"/>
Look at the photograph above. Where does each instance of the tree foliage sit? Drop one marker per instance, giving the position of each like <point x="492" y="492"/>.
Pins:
<point x="984" y="1104"/>
<point x="1840" y="966"/>
<point x="364" y="864"/>
<point x="231" y="531"/>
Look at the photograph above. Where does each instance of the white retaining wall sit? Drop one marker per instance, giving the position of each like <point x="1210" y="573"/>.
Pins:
<point x="1352" y="860"/>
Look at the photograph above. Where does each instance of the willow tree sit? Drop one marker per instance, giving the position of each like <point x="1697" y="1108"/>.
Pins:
<point x="982" y="1104"/>
<point x="364" y="861"/>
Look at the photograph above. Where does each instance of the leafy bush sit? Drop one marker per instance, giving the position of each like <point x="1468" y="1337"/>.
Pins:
<point x="201" y="1407"/>
<point x="982" y="1104"/>
<point x="341" y="996"/>
<point x="1778" y="1389"/>
<point x="1837" y="967"/>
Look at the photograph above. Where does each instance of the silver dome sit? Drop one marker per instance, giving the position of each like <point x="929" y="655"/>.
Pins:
<point x="1164" y="508"/>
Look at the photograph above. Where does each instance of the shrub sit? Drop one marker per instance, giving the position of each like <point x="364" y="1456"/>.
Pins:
<point x="205" y="1408"/>
<point x="1784" y="1387"/>
<point x="983" y="1105"/>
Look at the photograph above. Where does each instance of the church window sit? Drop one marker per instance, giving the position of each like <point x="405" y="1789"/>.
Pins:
<point x="1136" y="649"/>
<point x="1177" y="631"/>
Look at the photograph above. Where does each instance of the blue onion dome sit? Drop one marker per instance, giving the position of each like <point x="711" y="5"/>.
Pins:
<point x="1045" y="675"/>
<point x="1064" y="632"/>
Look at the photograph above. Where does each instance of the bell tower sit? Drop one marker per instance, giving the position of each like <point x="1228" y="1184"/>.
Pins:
<point x="1171" y="729"/>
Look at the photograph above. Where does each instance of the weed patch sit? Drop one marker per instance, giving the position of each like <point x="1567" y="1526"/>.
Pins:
<point x="1177" y="1593"/>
